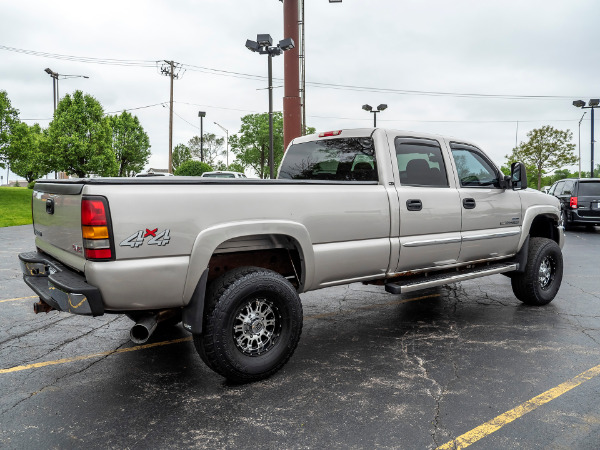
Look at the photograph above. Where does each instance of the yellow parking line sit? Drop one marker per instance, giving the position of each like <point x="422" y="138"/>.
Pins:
<point x="175" y="341"/>
<point x="498" y="422"/>
<point x="15" y="299"/>
<point x="93" y="355"/>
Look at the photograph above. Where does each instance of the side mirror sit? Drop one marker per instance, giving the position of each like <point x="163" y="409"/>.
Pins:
<point x="518" y="176"/>
<point x="505" y="181"/>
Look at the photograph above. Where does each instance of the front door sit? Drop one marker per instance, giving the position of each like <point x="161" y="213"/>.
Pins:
<point x="491" y="216"/>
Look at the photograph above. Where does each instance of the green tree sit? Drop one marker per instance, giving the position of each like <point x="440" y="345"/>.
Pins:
<point x="547" y="149"/>
<point x="251" y="144"/>
<point x="9" y="119"/>
<point x="130" y="143"/>
<point x="192" y="169"/>
<point x="28" y="152"/>
<point x="235" y="166"/>
<point x="212" y="148"/>
<point x="181" y="154"/>
<point x="79" y="137"/>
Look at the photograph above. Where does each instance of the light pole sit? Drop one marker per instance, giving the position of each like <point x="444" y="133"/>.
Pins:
<point x="264" y="46"/>
<point x="55" y="77"/>
<point x="580" y="120"/>
<point x="202" y="115"/>
<point x="226" y="145"/>
<point x="378" y="110"/>
<point x="56" y="97"/>
<point x="592" y="104"/>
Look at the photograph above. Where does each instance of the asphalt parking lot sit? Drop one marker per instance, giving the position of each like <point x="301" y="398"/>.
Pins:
<point x="466" y="362"/>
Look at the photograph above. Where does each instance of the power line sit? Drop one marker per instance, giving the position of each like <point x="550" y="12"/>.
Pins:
<point x="83" y="59"/>
<point x="321" y="85"/>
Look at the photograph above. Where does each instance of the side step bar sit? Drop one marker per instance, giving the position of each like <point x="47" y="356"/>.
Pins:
<point x="402" y="287"/>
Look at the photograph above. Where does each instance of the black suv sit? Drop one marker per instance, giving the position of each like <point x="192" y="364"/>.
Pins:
<point x="579" y="200"/>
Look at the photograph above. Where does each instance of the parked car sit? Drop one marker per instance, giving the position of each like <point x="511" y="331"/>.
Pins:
<point x="223" y="174"/>
<point x="579" y="200"/>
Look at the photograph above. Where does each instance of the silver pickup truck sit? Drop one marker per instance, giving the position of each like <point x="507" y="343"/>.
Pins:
<point x="228" y="258"/>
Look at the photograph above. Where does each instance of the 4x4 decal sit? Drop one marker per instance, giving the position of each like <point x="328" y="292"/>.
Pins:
<point x="157" y="238"/>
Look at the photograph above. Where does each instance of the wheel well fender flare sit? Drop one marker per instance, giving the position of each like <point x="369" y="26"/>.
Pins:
<point x="531" y="214"/>
<point x="209" y="239"/>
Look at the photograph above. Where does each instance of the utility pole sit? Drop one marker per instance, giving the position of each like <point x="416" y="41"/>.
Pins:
<point x="292" y="114"/>
<point x="168" y="69"/>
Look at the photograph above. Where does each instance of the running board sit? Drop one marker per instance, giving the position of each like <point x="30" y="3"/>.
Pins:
<point x="402" y="287"/>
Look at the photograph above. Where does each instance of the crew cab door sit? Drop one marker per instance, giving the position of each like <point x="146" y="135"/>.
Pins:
<point x="429" y="204"/>
<point x="491" y="215"/>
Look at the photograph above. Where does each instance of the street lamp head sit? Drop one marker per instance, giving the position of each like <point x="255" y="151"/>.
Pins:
<point x="201" y="114"/>
<point x="579" y="103"/>
<point x="252" y="45"/>
<point x="594" y="102"/>
<point x="367" y="107"/>
<point x="382" y="107"/>
<point x="48" y="71"/>
<point x="286" y="44"/>
<point x="264" y="40"/>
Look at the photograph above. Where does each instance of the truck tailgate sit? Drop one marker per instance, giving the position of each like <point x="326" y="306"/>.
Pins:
<point x="57" y="220"/>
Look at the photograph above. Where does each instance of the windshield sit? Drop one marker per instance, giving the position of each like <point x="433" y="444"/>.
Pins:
<point x="349" y="159"/>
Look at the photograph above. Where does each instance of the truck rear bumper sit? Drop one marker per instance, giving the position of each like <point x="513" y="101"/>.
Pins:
<point x="59" y="286"/>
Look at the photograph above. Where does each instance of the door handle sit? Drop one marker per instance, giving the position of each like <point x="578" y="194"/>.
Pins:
<point x="414" y="204"/>
<point x="469" y="203"/>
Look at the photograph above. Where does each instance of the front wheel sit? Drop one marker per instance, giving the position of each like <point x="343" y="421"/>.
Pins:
<point x="252" y="324"/>
<point x="540" y="282"/>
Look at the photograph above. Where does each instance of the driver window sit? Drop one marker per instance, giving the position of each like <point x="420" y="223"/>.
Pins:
<point x="420" y="162"/>
<point x="473" y="169"/>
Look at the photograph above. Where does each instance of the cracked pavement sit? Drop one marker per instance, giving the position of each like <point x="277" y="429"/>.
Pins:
<point x="372" y="370"/>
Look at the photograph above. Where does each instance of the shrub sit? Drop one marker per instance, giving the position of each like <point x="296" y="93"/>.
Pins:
<point x="192" y="169"/>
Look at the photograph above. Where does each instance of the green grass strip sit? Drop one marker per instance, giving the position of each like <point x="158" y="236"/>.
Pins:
<point x="15" y="206"/>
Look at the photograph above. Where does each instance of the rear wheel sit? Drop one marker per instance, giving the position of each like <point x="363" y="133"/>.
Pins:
<point x="540" y="282"/>
<point x="252" y="325"/>
<point x="564" y="218"/>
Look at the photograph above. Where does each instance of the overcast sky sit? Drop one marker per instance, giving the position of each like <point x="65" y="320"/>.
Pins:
<point x="547" y="48"/>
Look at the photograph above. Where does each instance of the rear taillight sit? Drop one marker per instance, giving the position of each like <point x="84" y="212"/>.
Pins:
<point x="573" y="203"/>
<point x="95" y="229"/>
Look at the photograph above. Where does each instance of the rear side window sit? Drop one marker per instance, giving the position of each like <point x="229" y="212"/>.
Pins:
<point x="559" y="188"/>
<point x="474" y="170"/>
<point x="568" y="188"/>
<point x="589" y="188"/>
<point x="420" y="162"/>
<point x="347" y="159"/>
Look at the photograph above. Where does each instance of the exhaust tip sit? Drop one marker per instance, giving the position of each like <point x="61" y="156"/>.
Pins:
<point x="143" y="329"/>
<point x="139" y="334"/>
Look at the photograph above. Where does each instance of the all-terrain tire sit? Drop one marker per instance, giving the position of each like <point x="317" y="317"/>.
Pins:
<point x="252" y="325"/>
<point x="540" y="282"/>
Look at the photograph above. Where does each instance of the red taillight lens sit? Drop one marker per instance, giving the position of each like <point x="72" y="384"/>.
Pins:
<point x="93" y="212"/>
<point x="573" y="203"/>
<point x="104" y="253"/>
<point x="97" y="240"/>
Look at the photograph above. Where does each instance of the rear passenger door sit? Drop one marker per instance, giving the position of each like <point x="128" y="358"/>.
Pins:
<point x="491" y="215"/>
<point x="430" y="215"/>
